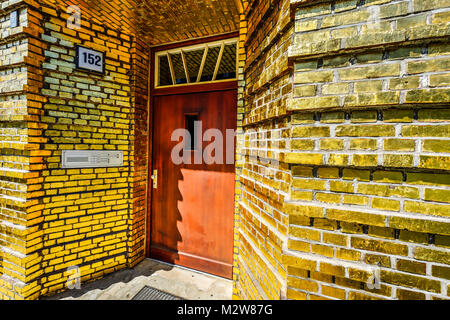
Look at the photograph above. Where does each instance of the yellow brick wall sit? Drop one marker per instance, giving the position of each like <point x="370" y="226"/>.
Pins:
<point x="87" y="213"/>
<point x="342" y="164"/>
<point x="15" y="150"/>
<point x="240" y="141"/>
<point x="363" y="129"/>
<point x="264" y="184"/>
<point x="54" y="218"/>
<point x="368" y="151"/>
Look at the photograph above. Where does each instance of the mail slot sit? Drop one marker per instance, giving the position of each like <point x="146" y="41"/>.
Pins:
<point x="91" y="159"/>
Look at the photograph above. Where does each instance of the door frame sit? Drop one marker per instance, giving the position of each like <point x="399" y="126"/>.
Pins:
<point x="154" y="92"/>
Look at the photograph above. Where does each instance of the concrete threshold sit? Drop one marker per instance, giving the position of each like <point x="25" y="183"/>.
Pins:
<point x="125" y="284"/>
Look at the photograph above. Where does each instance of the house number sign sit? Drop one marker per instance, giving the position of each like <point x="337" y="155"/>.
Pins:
<point x="90" y="60"/>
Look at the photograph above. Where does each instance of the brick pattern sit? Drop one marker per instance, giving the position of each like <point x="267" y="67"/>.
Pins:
<point x="90" y="218"/>
<point x="140" y="160"/>
<point x="241" y="55"/>
<point x="354" y="103"/>
<point x="15" y="151"/>
<point x="158" y="21"/>
<point x="342" y="156"/>
<point x="368" y="151"/>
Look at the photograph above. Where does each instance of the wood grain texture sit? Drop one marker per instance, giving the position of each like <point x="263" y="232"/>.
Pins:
<point x="193" y="206"/>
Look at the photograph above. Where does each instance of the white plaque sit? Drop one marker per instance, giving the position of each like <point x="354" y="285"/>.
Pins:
<point x="90" y="60"/>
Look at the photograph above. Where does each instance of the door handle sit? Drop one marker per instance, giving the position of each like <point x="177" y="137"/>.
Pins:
<point x="155" y="179"/>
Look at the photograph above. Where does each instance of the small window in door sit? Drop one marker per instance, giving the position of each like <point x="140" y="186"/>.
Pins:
<point x="192" y="121"/>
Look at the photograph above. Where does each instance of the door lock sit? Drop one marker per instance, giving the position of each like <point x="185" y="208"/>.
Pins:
<point x="155" y="179"/>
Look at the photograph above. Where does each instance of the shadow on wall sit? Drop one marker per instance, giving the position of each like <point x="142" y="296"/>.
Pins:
<point x="145" y="269"/>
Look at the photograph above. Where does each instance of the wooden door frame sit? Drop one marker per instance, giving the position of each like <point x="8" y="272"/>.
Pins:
<point x="155" y="92"/>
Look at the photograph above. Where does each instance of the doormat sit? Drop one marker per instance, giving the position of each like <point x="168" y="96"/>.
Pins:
<point x="149" y="293"/>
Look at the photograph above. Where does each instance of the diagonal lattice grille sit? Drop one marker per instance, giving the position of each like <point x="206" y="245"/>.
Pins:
<point x="149" y="293"/>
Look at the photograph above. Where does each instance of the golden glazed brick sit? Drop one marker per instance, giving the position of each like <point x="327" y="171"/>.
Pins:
<point x="363" y="144"/>
<point x="435" y="162"/>
<point x="419" y="225"/>
<point x="356" y="217"/>
<point x="313" y="77"/>
<point x="333" y="292"/>
<point x="441" y="272"/>
<point x="305" y="91"/>
<point x="364" y="160"/>
<point x="352" y="174"/>
<point x="388" y="176"/>
<point x="411" y="281"/>
<point x="303" y="131"/>
<point x="386" y="204"/>
<point x="411" y="266"/>
<point x="330" y="173"/>
<point x="379" y="246"/>
<point x="396" y="9"/>
<point x="437" y="195"/>
<point x="355" y="199"/>
<point x="395" y="160"/>
<point x="384" y="70"/>
<point x="404" y="83"/>
<point x="332" y="117"/>
<point x="365" y="131"/>
<point x="399" y="145"/>
<point x="347" y="254"/>
<point x="335" y="88"/>
<point x="303" y="26"/>
<point x="302" y="210"/>
<point x="440" y="80"/>
<point x="302" y="284"/>
<point x="325" y="224"/>
<point x="433" y="65"/>
<point x="409" y="295"/>
<point x="296" y="295"/>
<point x="352" y="17"/>
<point x="336" y="239"/>
<point x="305" y="233"/>
<point x="340" y="186"/>
<point x="322" y="250"/>
<point x="428" y="178"/>
<point x="427" y="96"/>
<point x="84" y="112"/>
<point x="309" y="184"/>
<point x="331" y="269"/>
<point x="372" y="99"/>
<point x="439" y="146"/>
<point x="304" y="158"/>
<point x="368" y="86"/>
<point x="313" y="11"/>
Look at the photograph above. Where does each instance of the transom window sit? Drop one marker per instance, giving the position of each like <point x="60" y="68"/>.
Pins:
<point x="208" y="62"/>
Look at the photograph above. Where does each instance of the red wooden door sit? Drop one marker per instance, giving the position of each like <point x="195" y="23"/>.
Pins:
<point x="193" y="204"/>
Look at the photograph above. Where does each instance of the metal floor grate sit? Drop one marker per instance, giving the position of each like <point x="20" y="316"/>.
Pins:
<point x="149" y="293"/>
